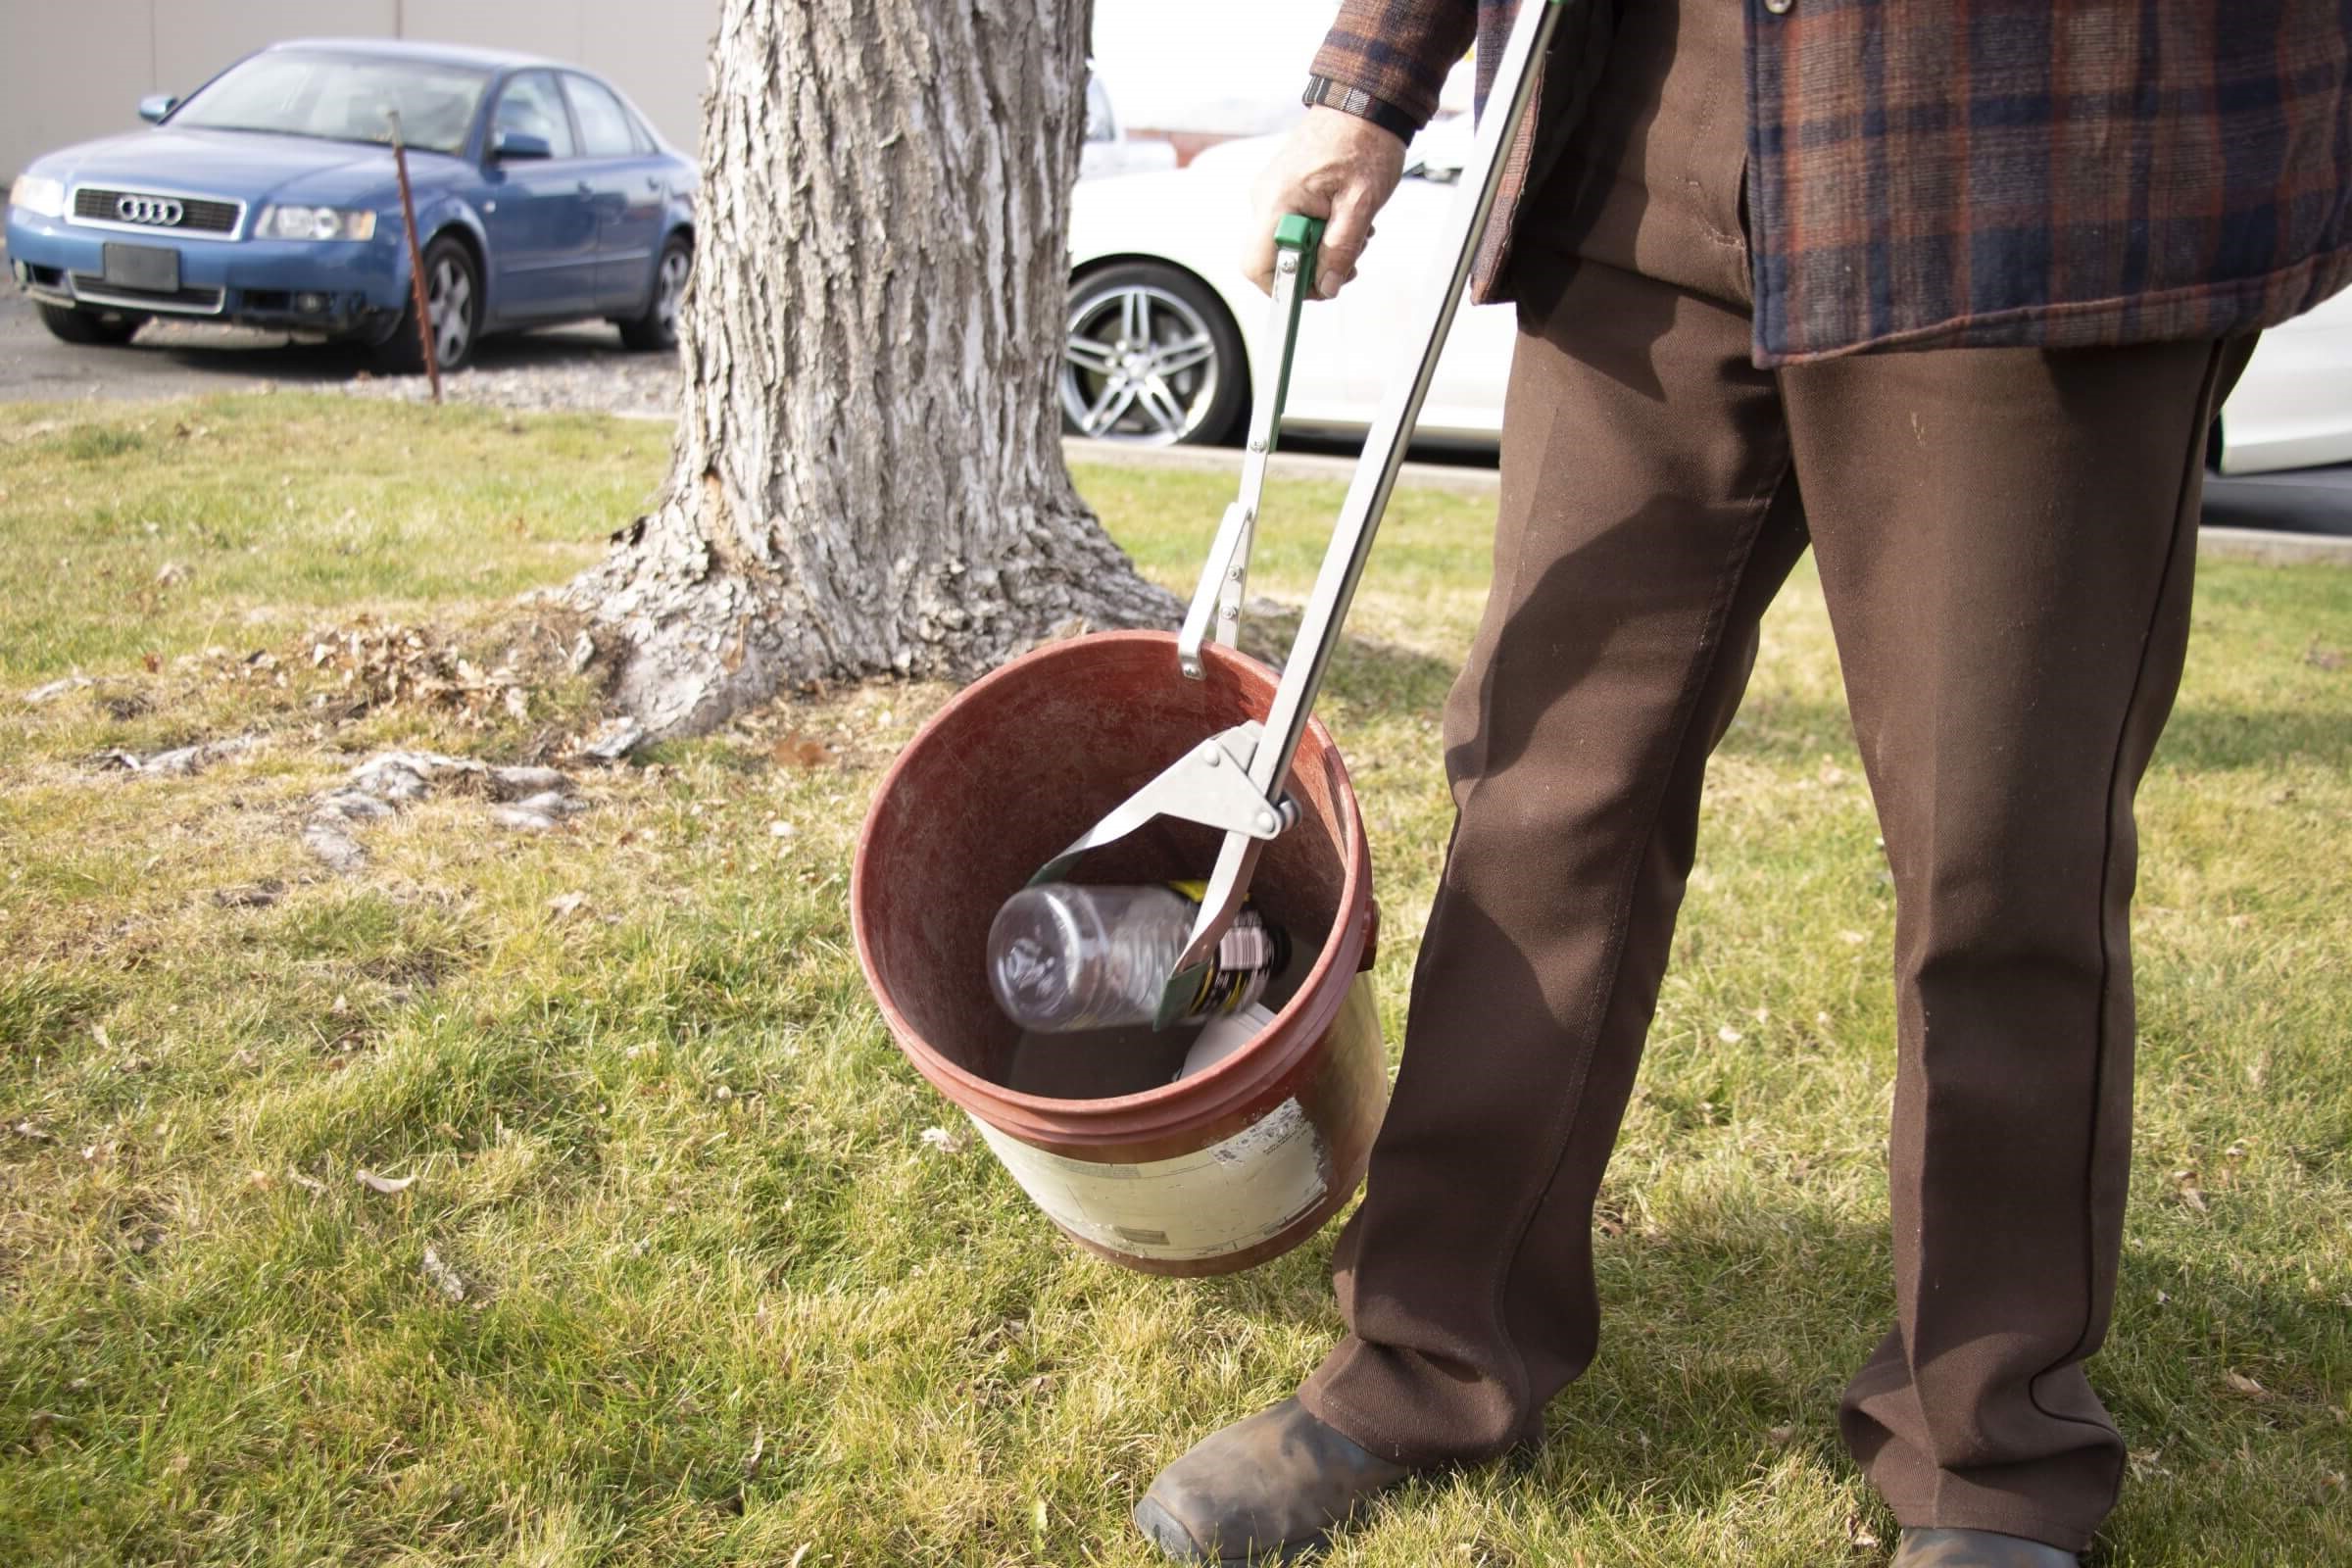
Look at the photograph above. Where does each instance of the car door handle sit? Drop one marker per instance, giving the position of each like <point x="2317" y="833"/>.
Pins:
<point x="586" y="189"/>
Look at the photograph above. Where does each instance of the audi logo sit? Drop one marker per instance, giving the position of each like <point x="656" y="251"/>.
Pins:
<point x="160" y="211"/>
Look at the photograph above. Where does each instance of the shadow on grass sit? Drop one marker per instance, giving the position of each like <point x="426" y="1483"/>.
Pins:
<point x="1727" y="1335"/>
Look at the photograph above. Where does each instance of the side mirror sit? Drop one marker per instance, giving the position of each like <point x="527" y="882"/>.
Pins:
<point x="154" y="107"/>
<point x="509" y="146"/>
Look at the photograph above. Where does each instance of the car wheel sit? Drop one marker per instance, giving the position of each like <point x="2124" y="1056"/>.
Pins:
<point x="658" y="328"/>
<point x="107" y="327"/>
<point x="453" y="296"/>
<point x="1150" y="358"/>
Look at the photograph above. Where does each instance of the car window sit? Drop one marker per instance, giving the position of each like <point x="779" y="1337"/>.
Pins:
<point x="532" y="107"/>
<point x="604" y="123"/>
<point x="341" y="97"/>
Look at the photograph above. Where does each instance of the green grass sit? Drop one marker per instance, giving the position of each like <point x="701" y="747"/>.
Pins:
<point x="723" y="1303"/>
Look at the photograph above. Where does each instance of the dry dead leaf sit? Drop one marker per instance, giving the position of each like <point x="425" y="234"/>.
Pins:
<point x="2239" y="1383"/>
<point x="309" y="1184"/>
<point x="946" y="1141"/>
<point x="385" y="1184"/>
<point x="2184" y="1181"/>
<point x="56" y="689"/>
<point x="566" y="905"/>
<point x="445" y="1278"/>
<point x="2320" y="657"/>
<point x="1779" y="1436"/>
<point x="796" y="750"/>
<point x="152" y="663"/>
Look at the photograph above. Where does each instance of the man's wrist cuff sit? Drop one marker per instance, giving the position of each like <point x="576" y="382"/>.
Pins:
<point x="1324" y="93"/>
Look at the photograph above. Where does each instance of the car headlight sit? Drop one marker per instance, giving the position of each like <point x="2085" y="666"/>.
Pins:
<point x="35" y="194"/>
<point x="314" y="222"/>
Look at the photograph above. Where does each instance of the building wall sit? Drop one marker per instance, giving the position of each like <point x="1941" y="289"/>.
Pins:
<point x="74" y="71"/>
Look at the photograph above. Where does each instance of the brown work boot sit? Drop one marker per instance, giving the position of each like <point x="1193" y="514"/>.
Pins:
<point x="1977" y="1548"/>
<point x="1264" y="1490"/>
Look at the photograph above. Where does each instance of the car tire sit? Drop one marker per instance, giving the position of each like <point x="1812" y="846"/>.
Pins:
<point x="1151" y="357"/>
<point x="453" y="296"/>
<point x="101" y="328"/>
<point x="657" y="328"/>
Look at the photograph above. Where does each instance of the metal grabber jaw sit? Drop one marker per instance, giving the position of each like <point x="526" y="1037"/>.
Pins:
<point x="1233" y="781"/>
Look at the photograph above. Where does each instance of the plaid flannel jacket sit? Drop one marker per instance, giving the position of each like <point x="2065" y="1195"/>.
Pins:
<point x="1975" y="172"/>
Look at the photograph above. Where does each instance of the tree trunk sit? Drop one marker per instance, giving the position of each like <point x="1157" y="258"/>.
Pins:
<point x="868" y="476"/>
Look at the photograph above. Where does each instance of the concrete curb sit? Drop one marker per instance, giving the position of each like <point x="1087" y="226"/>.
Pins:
<point x="2261" y="546"/>
<point x="2267" y="547"/>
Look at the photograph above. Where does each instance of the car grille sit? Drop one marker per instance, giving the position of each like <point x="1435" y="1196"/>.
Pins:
<point x="95" y="205"/>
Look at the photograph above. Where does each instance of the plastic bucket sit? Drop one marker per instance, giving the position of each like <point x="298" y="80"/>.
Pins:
<point x="1206" y="1175"/>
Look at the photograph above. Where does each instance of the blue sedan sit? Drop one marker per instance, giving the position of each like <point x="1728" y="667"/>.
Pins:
<point x="268" y="198"/>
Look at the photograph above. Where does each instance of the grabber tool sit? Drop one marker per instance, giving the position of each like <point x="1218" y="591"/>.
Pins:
<point x="1233" y="781"/>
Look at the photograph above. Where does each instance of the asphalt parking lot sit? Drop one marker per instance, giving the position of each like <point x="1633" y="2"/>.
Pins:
<point x="585" y="367"/>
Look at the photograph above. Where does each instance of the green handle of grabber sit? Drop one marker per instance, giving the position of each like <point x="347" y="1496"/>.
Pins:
<point x="1304" y="235"/>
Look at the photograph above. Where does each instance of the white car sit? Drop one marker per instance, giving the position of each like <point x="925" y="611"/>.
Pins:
<point x="1167" y="339"/>
<point x="1108" y="149"/>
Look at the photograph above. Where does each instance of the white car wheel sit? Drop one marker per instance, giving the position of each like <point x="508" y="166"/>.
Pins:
<point x="1150" y="358"/>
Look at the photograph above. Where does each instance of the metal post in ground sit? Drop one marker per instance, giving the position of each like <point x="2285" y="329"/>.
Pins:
<point x="417" y="285"/>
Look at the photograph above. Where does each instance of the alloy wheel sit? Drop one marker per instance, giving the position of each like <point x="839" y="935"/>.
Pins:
<point x="1138" y="366"/>
<point x="450" y="302"/>
<point x="671" y="292"/>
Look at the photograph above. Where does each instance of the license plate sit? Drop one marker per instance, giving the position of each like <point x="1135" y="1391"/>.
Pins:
<point x="149" y="269"/>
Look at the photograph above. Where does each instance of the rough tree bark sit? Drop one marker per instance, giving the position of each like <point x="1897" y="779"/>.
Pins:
<point x="868" y="476"/>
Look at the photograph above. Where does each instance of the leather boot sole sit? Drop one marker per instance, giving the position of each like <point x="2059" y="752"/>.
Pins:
<point x="1163" y="1531"/>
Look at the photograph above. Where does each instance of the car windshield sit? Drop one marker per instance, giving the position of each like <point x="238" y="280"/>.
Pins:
<point x="342" y="98"/>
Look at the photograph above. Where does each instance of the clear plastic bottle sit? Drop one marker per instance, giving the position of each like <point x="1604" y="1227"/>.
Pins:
<point x="1062" y="957"/>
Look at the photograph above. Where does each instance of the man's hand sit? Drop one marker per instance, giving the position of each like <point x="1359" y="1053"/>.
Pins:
<point x="1339" y="167"/>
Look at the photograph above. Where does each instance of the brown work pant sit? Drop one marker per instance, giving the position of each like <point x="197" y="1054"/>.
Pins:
<point x="2005" y="541"/>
